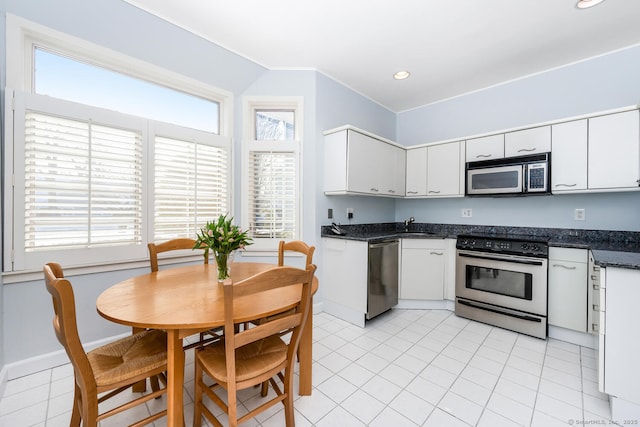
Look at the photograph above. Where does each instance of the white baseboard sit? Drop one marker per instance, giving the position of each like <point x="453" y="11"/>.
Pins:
<point x="574" y="337"/>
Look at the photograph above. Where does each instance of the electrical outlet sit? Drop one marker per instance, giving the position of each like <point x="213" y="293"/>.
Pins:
<point x="466" y="213"/>
<point x="349" y="213"/>
<point x="579" y="214"/>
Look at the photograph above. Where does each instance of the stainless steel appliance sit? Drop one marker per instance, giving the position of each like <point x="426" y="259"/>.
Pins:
<point x="503" y="281"/>
<point x="515" y="175"/>
<point x="382" y="292"/>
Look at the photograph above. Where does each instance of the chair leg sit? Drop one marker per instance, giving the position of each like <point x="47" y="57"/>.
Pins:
<point x="265" y="389"/>
<point x="197" y="391"/>
<point x="75" y="413"/>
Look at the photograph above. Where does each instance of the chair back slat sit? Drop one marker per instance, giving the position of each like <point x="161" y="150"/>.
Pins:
<point x="295" y="246"/>
<point x="169" y="245"/>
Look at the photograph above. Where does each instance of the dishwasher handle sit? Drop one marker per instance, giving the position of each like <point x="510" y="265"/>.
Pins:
<point x="382" y="244"/>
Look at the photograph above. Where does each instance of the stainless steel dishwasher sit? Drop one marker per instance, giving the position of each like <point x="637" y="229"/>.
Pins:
<point x="382" y="287"/>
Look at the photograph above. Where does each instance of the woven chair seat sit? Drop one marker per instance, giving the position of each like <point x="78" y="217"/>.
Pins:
<point x="251" y="360"/>
<point x="129" y="357"/>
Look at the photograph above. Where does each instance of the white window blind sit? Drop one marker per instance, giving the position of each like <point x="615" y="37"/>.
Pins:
<point x="191" y="186"/>
<point x="273" y="194"/>
<point x="83" y="184"/>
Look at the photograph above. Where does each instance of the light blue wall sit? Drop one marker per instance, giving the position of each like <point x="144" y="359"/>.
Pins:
<point x="26" y="306"/>
<point x="603" y="83"/>
<point x="337" y="106"/>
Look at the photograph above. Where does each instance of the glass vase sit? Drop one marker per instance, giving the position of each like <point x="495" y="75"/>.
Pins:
<point x="223" y="261"/>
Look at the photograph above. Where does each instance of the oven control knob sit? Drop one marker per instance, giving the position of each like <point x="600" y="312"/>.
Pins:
<point x="525" y="246"/>
<point x="535" y="248"/>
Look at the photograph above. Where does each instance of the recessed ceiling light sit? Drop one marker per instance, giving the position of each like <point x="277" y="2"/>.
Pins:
<point x="584" y="4"/>
<point x="401" y="75"/>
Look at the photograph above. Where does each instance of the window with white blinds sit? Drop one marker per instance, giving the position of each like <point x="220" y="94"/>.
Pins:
<point x="272" y="200"/>
<point x="93" y="186"/>
<point x="83" y="184"/>
<point x="273" y="194"/>
<point x="191" y="186"/>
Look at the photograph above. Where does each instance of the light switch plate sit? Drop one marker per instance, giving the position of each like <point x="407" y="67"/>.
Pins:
<point x="579" y="215"/>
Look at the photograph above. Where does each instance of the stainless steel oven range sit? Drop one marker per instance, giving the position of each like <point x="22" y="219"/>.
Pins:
<point x="502" y="281"/>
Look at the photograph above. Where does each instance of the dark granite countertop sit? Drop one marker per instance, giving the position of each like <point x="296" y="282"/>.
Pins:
<point x="609" y="248"/>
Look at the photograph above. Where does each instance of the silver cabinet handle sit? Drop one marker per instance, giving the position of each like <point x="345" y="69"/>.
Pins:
<point x="526" y="150"/>
<point x="412" y="192"/>
<point x="483" y="156"/>
<point x="391" y="191"/>
<point x="566" y="185"/>
<point x="564" y="266"/>
<point x="595" y="327"/>
<point x="374" y="189"/>
<point x="596" y="307"/>
<point x="434" y="191"/>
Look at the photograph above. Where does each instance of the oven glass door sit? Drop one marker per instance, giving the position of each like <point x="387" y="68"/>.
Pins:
<point x="515" y="282"/>
<point x="495" y="180"/>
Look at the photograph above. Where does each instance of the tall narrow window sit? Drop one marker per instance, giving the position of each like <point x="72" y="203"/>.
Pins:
<point x="272" y="207"/>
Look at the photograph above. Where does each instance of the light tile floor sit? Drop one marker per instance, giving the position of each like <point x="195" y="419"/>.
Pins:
<point x="406" y="368"/>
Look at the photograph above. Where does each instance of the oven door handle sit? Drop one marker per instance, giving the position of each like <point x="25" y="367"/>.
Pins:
<point x="514" y="260"/>
<point x="505" y="313"/>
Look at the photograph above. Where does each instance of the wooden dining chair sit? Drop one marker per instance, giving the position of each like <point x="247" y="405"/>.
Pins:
<point x="295" y="246"/>
<point x="106" y="371"/>
<point x="174" y="245"/>
<point x="249" y="357"/>
<point x="169" y="245"/>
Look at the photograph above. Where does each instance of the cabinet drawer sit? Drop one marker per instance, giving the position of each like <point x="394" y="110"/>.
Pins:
<point x="568" y="254"/>
<point x="438" y="244"/>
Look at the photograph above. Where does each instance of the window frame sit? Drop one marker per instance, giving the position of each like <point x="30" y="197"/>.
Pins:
<point x="269" y="246"/>
<point x="22" y="38"/>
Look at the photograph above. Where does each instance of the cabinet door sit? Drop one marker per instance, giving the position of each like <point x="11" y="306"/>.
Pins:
<point x="444" y="170"/>
<point x="364" y="156"/>
<point x="622" y="334"/>
<point x="614" y="151"/>
<point x="569" y="156"/>
<point x="527" y="141"/>
<point x="416" y="184"/>
<point x="485" y="148"/>
<point x="423" y="274"/>
<point x="400" y="171"/>
<point x="568" y="288"/>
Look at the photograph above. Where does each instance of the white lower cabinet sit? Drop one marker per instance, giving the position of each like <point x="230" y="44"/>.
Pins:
<point x="423" y="269"/>
<point x="568" y="288"/>
<point x="344" y="279"/>
<point x="619" y="350"/>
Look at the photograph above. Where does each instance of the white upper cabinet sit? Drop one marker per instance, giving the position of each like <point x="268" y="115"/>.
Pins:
<point x="357" y="163"/>
<point x="614" y="151"/>
<point x="485" y="148"/>
<point x="416" y="172"/>
<point x="527" y="141"/>
<point x="445" y="169"/>
<point x="569" y="156"/>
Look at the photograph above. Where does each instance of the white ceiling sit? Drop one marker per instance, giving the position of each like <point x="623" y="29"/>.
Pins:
<point x="451" y="47"/>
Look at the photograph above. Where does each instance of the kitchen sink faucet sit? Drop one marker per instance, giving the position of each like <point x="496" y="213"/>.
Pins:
<point x="407" y="223"/>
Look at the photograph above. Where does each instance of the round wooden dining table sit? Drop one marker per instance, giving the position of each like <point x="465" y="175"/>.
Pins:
<point x="187" y="300"/>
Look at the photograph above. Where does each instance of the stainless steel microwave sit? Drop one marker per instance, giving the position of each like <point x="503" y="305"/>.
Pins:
<point x="510" y="176"/>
